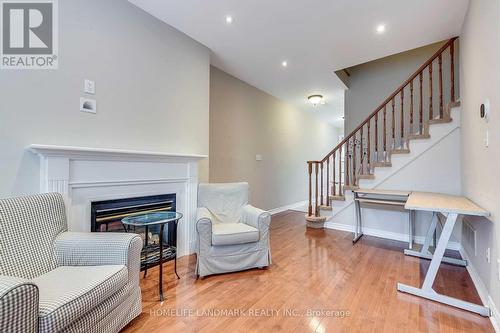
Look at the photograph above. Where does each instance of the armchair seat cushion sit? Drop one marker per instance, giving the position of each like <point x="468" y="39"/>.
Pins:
<point x="69" y="292"/>
<point x="233" y="233"/>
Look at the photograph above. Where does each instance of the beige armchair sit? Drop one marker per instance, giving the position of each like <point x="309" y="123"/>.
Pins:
<point x="232" y="235"/>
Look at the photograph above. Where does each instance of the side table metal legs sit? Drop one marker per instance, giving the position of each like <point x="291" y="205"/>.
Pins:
<point x="161" y="263"/>
<point x="146" y="241"/>
<point x="175" y="266"/>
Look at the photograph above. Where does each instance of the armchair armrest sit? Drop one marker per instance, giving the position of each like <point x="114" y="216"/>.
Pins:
<point x="255" y="217"/>
<point x="99" y="248"/>
<point x="204" y="229"/>
<point x="18" y="305"/>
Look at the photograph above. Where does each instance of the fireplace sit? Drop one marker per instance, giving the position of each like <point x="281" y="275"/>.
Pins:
<point x="106" y="216"/>
<point x="86" y="175"/>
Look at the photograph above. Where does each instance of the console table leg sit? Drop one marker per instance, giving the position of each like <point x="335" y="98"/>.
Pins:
<point x="358" y="231"/>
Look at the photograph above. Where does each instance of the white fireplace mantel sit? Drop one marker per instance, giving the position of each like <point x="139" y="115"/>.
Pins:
<point x="84" y="174"/>
<point x="114" y="154"/>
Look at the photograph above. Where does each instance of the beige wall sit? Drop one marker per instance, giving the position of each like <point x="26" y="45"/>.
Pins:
<point x="371" y="83"/>
<point x="480" y="79"/>
<point x="245" y="121"/>
<point x="152" y="85"/>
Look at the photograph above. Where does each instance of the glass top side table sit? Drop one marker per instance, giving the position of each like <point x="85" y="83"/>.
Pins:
<point x="153" y="219"/>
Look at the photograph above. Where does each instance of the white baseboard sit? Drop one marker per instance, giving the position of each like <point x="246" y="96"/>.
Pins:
<point x="482" y="291"/>
<point x="289" y="207"/>
<point x="402" y="237"/>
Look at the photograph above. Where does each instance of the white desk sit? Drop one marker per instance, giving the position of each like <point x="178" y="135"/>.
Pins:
<point x="452" y="207"/>
<point x="392" y="198"/>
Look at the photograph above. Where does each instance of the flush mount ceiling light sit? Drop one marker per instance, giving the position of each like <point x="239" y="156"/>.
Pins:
<point x="380" y="28"/>
<point x="229" y="19"/>
<point x="284" y="63"/>
<point x="315" y="99"/>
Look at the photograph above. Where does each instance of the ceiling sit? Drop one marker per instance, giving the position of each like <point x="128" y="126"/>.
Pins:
<point x="315" y="37"/>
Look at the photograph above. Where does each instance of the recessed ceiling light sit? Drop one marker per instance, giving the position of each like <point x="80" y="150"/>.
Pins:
<point x="381" y="28"/>
<point x="284" y="63"/>
<point x="229" y="19"/>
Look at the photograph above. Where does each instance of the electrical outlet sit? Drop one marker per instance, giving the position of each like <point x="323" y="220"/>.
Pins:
<point x="488" y="255"/>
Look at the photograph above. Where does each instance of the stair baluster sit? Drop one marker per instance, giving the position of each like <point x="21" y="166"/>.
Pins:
<point x="411" y="108"/>
<point x="361" y="153"/>
<point x="431" y="113"/>
<point x="452" y="72"/>
<point x="321" y="184"/>
<point x="376" y="137"/>
<point x="368" y="161"/>
<point x="385" y="133"/>
<point x="340" y="170"/>
<point x="393" y="124"/>
<point x="316" y="210"/>
<point x="421" y="106"/>
<point x="350" y="164"/>
<point x="328" y="181"/>
<point x="402" y="127"/>
<point x="441" y="107"/>
<point x="309" y="209"/>
<point x="354" y="179"/>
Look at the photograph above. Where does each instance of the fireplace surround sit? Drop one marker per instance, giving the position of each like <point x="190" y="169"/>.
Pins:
<point x="84" y="175"/>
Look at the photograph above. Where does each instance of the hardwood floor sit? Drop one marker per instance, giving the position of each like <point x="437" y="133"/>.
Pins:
<point x="318" y="282"/>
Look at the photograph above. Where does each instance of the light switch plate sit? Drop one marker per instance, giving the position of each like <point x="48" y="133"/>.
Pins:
<point x="89" y="87"/>
<point x="258" y="157"/>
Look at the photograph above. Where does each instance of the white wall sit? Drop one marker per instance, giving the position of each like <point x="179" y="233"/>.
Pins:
<point x="480" y="79"/>
<point x="245" y="121"/>
<point x="152" y="91"/>
<point x="371" y="83"/>
<point x="433" y="165"/>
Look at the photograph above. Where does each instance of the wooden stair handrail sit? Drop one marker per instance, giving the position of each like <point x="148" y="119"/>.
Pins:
<point x="355" y="160"/>
<point x="388" y="99"/>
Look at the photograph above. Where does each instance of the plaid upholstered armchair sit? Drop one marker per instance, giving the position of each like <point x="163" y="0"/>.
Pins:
<point x="52" y="280"/>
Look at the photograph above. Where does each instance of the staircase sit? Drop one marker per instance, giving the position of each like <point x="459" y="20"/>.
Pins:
<point x="424" y="99"/>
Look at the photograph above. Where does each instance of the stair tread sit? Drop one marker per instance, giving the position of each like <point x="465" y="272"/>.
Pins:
<point x="400" y="151"/>
<point x="325" y="207"/>
<point x="337" y="197"/>
<point x="419" y="136"/>
<point x="381" y="164"/>
<point x="366" y="176"/>
<point x="440" y="121"/>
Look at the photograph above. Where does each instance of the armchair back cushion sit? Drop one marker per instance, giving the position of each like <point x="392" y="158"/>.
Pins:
<point x="28" y="228"/>
<point x="224" y="201"/>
